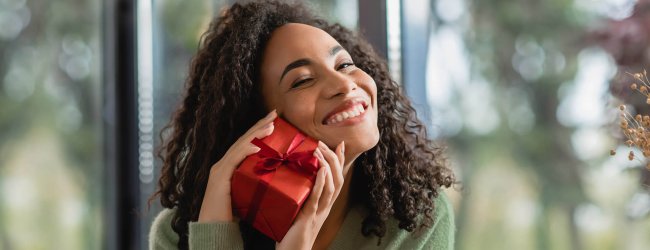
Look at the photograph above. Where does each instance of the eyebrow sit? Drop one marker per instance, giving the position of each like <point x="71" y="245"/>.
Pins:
<point x="304" y="61"/>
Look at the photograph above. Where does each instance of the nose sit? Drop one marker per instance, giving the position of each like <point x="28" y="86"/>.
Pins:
<point x="339" y="84"/>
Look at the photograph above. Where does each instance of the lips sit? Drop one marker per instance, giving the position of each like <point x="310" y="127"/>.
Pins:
<point x="348" y="109"/>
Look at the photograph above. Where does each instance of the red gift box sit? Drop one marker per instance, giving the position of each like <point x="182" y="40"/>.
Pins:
<point x="270" y="186"/>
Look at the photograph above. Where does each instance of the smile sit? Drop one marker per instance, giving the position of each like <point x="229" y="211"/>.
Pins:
<point x="351" y="115"/>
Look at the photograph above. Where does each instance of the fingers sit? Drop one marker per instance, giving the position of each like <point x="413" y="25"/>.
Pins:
<point x="247" y="148"/>
<point x="237" y="153"/>
<point x="311" y="206"/>
<point x="268" y="118"/>
<point x="335" y="161"/>
<point x="341" y="154"/>
<point x="330" y="189"/>
<point x="261" y="123"/>
<point x="242" y="147"/>
<point x="264" y="131"/>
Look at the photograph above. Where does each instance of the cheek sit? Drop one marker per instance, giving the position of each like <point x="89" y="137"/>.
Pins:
<point x="299" y="111"/>
<point x="366" y="82"/>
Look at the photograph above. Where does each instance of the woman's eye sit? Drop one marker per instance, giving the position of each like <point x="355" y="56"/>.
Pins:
<point x="344" y="66"/>
<point x="301" y="82"/>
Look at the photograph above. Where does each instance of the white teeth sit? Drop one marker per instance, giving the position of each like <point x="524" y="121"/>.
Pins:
<point x="354" y="112"/>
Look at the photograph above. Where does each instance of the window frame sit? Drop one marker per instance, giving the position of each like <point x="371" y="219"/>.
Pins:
<point x="121" y="224"/>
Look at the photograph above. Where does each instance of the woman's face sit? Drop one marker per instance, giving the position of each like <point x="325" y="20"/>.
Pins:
<point x="313" y="83"/>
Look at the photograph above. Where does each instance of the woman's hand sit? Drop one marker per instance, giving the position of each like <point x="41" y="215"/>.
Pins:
<point x="311" y="217"/>
<point x="216" y="206"/>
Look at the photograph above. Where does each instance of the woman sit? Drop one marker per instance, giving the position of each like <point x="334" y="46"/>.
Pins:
<point x="379" y="185"/>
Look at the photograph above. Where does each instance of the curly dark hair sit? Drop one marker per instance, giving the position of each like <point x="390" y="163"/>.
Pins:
<point x="403" y="173"/>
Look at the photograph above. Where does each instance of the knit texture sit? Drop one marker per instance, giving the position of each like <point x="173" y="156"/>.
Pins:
<point x="227" y="235"/>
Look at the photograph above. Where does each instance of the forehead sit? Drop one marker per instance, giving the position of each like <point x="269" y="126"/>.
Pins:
<point x="295" y="41"/>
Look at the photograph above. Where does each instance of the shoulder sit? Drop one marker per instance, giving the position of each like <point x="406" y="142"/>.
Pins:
<point x="439" y="236"/>
<point x="443" y="208"/>
<point x="161" y="234"/>
<point x="442" y="233"/>
<point x="443" y="215"/>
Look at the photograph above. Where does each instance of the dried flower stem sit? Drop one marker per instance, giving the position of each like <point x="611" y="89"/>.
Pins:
<point x="637" y="128"/>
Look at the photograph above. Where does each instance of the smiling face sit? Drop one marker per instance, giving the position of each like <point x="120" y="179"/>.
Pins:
<point x="313" y="83"/>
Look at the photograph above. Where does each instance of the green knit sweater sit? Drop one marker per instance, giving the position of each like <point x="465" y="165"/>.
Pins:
<point x="227" y="235"/>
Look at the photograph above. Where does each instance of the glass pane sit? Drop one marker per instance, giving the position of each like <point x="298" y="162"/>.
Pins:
<point x="177" y="27"/>
<point x="51" y="170"/>
<point x="345" y="12"/>
<point x="523" y="100"/>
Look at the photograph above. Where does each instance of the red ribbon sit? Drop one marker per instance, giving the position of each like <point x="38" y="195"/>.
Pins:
<point x="300" y="162"/>
<point x="271" y="160"/>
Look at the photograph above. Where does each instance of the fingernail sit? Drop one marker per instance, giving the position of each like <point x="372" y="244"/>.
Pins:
<point x="270" y="114"/>
<point x="343" y="147"/>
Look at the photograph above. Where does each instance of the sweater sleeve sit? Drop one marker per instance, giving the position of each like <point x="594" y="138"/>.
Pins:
<point x="201" y="235"/>
<point x="215" y="236"/>
<point x="161" y="234"/>
<point x="444" y="229"/>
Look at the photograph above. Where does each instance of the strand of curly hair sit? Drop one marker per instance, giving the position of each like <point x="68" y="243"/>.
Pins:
<point x="403" y="173"/>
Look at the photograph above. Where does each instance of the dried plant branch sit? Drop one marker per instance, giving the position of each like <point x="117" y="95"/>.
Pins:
<point x="636" y="129"/>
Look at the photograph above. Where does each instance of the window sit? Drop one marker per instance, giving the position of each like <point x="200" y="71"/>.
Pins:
<point x="51" y="125"/>
<point x="523" y="101"/>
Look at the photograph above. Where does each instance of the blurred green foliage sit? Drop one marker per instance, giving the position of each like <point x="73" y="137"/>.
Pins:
<point x="51" y="193"/>
<point x="531" y="54"/>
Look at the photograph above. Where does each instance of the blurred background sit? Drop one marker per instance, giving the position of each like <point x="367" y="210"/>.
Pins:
<point x="524" y="94"/>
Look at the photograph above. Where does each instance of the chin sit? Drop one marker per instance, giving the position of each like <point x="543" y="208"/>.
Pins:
<point x="372" y="141"/>
<point x="358" y="143"/>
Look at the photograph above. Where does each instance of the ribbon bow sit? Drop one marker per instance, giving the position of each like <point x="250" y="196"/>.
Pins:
<point x="301" y="162"/>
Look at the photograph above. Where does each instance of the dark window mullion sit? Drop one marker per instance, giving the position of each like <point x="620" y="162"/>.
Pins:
<point x="372" y="24"/>
<point x="120" y="125"/>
